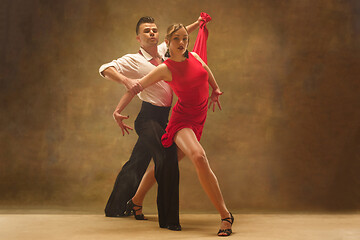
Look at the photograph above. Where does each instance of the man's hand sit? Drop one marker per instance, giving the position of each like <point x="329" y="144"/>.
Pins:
<point x="119" y="119"/>
<point x="133" y="85"/>
<point x="214" y="99"/>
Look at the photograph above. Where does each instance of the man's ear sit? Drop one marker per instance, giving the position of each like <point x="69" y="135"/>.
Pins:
<point x="138" y="38"/>
<point x="167" y="42"/>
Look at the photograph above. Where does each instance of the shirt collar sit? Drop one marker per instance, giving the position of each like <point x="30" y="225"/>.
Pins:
<point x="147" y="56"/>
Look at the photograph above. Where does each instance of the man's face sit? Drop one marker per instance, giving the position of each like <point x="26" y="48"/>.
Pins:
<point x="148" y="35"/>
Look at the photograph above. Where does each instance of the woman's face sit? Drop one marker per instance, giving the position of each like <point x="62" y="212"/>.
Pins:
<point x="179" y="42"/>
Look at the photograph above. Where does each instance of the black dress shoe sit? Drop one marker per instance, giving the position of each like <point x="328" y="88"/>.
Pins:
<point x="173" y="227"/>
<point x="116" y="215"/>
<point x="176" y="227"/>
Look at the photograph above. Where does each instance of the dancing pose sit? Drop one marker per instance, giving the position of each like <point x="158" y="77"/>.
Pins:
<point x="189" y="77"/>
<point x="150" y="126"/>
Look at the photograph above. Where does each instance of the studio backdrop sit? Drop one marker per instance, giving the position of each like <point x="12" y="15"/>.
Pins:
<point x="287" y="139"/>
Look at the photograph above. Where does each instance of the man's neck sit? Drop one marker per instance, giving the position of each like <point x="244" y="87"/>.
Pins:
<point x="152" y="50"/>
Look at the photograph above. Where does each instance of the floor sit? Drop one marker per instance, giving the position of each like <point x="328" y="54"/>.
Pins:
<point x="59" y="226"/>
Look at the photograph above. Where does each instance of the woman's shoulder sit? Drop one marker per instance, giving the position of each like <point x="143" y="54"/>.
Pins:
<point x="195" y="55"/>
<point x="198" y="58"/>
<point x="165" y="71"/>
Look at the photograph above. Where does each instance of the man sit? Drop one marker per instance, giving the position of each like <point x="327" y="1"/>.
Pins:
<point x="150" y="125"/>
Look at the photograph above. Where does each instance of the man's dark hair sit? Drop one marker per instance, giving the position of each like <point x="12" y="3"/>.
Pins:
<point x="142" y="20"/>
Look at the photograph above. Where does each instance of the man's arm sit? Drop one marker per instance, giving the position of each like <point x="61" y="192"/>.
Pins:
<point x="190" y="28"/>
<point x="112" y="74"/>
<point x="130" y="84"/>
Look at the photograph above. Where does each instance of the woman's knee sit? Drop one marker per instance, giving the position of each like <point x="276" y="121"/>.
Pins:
<point x="199" y="158"/>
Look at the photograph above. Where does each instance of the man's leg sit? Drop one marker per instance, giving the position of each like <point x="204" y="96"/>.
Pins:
<point x="149" y="180"/>
<point x="166" y="172"/>
<point x="167" y="176"/>
<point x="128" y="180"/>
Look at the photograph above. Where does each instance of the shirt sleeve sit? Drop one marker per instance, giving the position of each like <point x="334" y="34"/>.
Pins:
<point x="124" y="65"/>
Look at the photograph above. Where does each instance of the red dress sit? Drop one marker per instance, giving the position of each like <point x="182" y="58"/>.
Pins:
<point x="190" y="84"/>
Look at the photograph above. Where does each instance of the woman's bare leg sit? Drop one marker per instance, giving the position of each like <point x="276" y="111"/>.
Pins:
<point x="186" y="140"/>
<point x="146" y="184"/>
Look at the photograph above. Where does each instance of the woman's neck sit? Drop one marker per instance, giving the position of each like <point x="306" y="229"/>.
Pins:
<point x="179" y="58"/>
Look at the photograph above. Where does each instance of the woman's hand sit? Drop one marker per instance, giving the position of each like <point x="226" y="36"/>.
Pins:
<point x="119" y="119"/>
<point x="214" y="99"/>
<point x="200" y="19"/>
<point x="133" y="85"/>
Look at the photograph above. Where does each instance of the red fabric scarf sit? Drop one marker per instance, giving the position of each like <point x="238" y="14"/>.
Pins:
<point x="200" y="43"/>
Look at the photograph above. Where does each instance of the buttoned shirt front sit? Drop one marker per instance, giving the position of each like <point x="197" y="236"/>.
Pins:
<point x="138" y="65"/>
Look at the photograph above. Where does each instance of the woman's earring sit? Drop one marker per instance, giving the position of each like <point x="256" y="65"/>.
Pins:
<point x="167" y="54"/>
<point x="186" y="54"/>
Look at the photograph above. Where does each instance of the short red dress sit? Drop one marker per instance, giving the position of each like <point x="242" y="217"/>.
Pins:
<point x="191" y="86"/>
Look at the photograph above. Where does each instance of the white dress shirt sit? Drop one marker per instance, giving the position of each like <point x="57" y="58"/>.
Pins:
<point x="137" y="66"/>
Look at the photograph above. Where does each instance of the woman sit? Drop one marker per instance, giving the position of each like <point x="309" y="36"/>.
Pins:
<point x="189" y="77"/>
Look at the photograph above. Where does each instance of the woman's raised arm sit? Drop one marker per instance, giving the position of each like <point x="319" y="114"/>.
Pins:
<point x="214" y="97"/>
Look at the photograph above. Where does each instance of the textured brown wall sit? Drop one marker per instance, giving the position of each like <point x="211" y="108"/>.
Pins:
<point x="288" y="137"/>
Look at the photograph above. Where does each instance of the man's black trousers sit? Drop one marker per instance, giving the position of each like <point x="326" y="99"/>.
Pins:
<point x="150" y="125"/>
